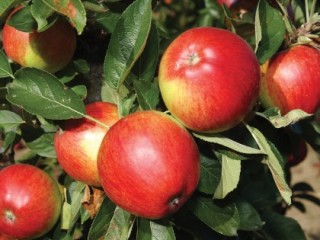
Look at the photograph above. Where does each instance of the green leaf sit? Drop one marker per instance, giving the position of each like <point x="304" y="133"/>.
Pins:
<point x="80" y="90"/>
<point x="76" y="192"/>
<point x="41" y="12"/>
<point x="65" y="216"/>
<point x="230" y="176"/>
<point x="23" y="20"/>
<point x="127" y="42"/>
<point x="162" y="230"/>
<point x="81" y="65"/>
<point x="100" y="224"/>
<point x="210" y="175"/>
<point x="32" y="86"/>
<point x="7" y="141"/>
<point x="5" y="68"/>
<point x="280" y="227"/>
<point x="223" y="219"/>
<point x="273" y="115"/>
<point x="10" y="121"/>
<point x="119" y="226"/>
<point x="250" y="219"/>
<point x="108" y="20"/>
<point x="228" y="143"/>
<point x="143" y="229"/>
<point x="272" y="30"/>
<point x="274" y="162"/>
<point x="146" y="65"/>
<point x="43" y="146"/>
<point x="154" y="230"/>
<point x="6" y="5"/>
<point x="147" y="94"/>
<point x="73" y="9"/>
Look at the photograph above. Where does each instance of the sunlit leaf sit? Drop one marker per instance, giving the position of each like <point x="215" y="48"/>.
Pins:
<point x="228" y="143"/>
<point x="273" y="160"/>
<point x="73" y="9"/>
<point x="119" y="226"/>
<point x="230" y="176"/>
<point x="32" y="86"/>
<point x="270" y="29"/>
<point x="127" y="42"/>
<point x="278" y="121"/>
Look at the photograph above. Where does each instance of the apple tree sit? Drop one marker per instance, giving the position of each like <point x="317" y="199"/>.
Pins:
<point x="57" y="58"/>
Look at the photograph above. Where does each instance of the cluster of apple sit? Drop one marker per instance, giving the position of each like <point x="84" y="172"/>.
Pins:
<point x="148" y="162"/>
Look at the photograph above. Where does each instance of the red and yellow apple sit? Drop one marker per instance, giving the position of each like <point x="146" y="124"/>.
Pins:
<point x="292" y="80"/>
<point x="30" y="201"/>
<point x="78" y="141"/>
<point x="209" y="79"/>
<point x="49" y="50"/>
<point x="149" y="164"/>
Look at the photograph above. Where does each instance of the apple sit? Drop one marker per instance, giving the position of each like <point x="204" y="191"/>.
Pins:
<point x="49" y="50"/>
<point x="149" y="164"/>
<point x="78" y="142"/>
<point x="209" y="79"/>
<point x="292" y="80"/>
<point x="30" y="201"/>
<point x="298" y="153"/>
<point x="228" y="3"/>
<point x="5" y="237"/>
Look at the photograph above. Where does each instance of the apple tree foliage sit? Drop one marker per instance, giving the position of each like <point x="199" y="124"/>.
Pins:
<point x="244" y="189"/>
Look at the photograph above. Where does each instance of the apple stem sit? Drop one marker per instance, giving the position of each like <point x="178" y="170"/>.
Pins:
<point x="10" y="216"/>
<point x="96" y="121"/>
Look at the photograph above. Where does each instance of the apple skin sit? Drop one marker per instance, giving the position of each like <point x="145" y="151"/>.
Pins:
<point x="209" y="79"/>
<point x="292" y="80"/>
<point x="30" y="201"/>
<point x="50" y="50"/>
<point x="149" y="164"/>
<point x="298" y="154"/>
<point x="228" y="3"/>
<point x="77" y="145"/>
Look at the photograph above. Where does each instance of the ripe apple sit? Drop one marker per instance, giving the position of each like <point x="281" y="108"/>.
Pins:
<point x="78" y="142"/>
<point x="5" y="237"/>
<point x="292" y="80"/>
<point x="228" y="3"/>
<point x="209" y="79"/>
<point x="149" y="164"/>
<point x="50" y="50"/>
<point x="30" y="201"/>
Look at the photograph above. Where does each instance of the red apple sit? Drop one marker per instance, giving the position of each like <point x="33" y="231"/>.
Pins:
<point x="228" y="3"/>
<point x="209" y="79"/>
<point x="30" y="201"/>
<point x="149" y="164"/>
<point x="292" y="80"/>
<point x="78" y="142"/>
<point x="5" y="237"/>
<point x="298" y="153"/>
<point x="50" y="50"/>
